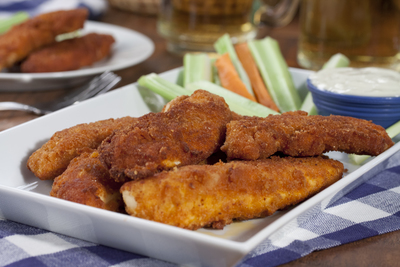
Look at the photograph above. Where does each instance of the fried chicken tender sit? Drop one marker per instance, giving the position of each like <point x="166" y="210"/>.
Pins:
<point x="190" y="129"/>
<point x="53" y="157"/>
<point x="70" y="54"/>
<point x="296" y="134"/>
<point x="197" y="196"/>
<point x="37" y="32"/>
<point x="87" y="182"/>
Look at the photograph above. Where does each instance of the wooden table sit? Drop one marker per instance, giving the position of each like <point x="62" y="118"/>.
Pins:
<point x="381" y="250"/>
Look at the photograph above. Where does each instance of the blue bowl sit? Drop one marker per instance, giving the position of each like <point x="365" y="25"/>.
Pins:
<point x="383" y="111"/>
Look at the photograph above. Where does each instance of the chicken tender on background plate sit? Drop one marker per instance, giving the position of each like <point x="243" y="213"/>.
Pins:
<point x="22" y="39"/>
<point x="296" y="134"/>
<point x="53" y="157"/>
<point x="87" y="182"/>
<point x="190" y="129"/>
<point x="70" y="54"/>
<point x="196" y="196"/>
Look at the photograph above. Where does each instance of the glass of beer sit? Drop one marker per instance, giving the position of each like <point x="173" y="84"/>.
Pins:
<point x="366" y="31"/>
<point x="194" y="25"/>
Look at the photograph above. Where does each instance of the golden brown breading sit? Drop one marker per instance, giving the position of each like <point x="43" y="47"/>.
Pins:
<point x="236" y="116"/>
<point x="70" y="54"/>
<point x="87" y="182"/>
<point x="195" y="196"/>
<point x="53" y="157"/>
<point x="37" y="32"/>
<point x="296" y="134"/>
<point x="188" y="131"/>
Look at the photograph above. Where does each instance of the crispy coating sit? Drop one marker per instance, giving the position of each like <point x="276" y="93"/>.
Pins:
<point x="53" y="157"/>
<point x="87" y="182"/>
<point x="188" y="131"/>
<point x="196" y="196"/>
<point x="296" y="134"/>
<point x="70" y="54"/>
<point x="37" y="32"/>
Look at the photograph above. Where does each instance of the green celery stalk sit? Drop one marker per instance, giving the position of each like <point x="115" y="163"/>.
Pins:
<point x="224" y="45"/>
<point x="392" y="131"/>
<point x="166" y="89"/>
<point x="17" y="18"/>
<point x="308" y="105"/>
<point x="358" y="159"/>
<point x="196" y="67"/>
<point x="237" y="103"/>
<point x="214" y="69"/>
<point x="179" y="79"/>
<point x="68" y="35"/>
<point x="275" y="73"/>
<point x="336" y="61"/>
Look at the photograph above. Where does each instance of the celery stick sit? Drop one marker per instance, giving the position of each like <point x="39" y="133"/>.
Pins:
<point x="237" y="103"/>
<point x="336" y="61"/>
<point x="224" y="45"/>
<point x="170" y="90"/>
<point x="358" y="159"/>
<point x="308" y="105"/>
<point x="17" y="18"/>
<point x="275" y="73"/>
<point x="166" y="89"/>
<point x="215" y="78"/>
<point x="179" y="79"/>
<point x="68" y="35"/>
<point x="196" y="67"/>
<point x="392" y="131"/>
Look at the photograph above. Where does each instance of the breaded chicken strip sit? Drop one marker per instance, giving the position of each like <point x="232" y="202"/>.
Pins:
<point x="37" y="32"/>
<point x="87" y="182"/>
<point x="196" y="196"/>
<point x="190" y="129"/>
<point x="70" y="54"/>
<point x="296" y="134"/>
<point x="53" y="157"/>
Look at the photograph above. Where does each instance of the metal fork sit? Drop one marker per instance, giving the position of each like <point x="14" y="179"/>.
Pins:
<point x="97" y="86"/>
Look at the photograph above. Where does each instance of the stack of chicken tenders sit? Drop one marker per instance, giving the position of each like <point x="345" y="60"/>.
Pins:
<point x="32" y="46"/>
<point x="197" y="164"/>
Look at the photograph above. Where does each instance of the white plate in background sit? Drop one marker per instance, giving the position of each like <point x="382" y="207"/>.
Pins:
<point x="130" y="48"/>
<point x="196" y="248"/>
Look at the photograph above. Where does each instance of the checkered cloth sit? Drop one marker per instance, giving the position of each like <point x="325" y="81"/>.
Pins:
<point x="35" y="7"/>
<point x="371" y="209"/>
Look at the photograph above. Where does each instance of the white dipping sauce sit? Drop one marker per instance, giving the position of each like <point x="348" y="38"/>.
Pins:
<point x="358" y="81"/>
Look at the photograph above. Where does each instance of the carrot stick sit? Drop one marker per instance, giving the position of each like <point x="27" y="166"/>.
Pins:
<point x="250" y="66"/>
<point x="229" y="78"/>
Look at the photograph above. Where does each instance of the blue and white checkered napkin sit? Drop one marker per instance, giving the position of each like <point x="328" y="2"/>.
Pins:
<point x="371" y="209"/>
<point x="35" y="7"/>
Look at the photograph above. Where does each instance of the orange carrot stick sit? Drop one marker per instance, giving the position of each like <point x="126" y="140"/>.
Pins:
<point x="230" y="78"/>
<point x="249" y="65"/>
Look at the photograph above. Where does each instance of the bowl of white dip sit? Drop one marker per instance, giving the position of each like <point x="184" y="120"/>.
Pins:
<point x="366" y="93"/>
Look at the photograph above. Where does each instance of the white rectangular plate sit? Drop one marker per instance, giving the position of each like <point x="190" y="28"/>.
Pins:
<point x="198" y="248"/>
